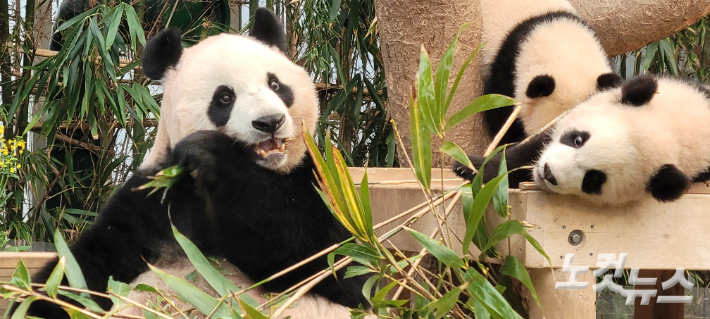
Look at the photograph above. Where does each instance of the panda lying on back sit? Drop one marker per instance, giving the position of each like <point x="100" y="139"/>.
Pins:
<point x="649" y="137"/>
<point x="249" y="195"/>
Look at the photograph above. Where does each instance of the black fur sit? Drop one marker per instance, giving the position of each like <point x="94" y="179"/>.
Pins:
<point x="574" y="138"/>
<point x="516" y="155"/>
<point x="540" y="86"/>
<point x="639" y="90"/>
<point x="269" y="29"/>
<point x="284" y="91"/>
<point x="702" y="177"/>
<point x="668" y="184"/>
<point x="161" y="52"/>
<point x="593" y="182"/>
<point x="608" y="81"/>
<point x="220" y="108"/>
<point x="260" y="220"/>
<point x="502" y="78"/>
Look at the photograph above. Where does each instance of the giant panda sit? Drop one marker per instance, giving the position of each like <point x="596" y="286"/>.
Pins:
<point x="248" y="194"/>
<point x="542" y="54"/>
<point x="646" y="139"/>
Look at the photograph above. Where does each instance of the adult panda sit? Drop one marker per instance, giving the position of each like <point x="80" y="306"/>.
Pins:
<point x="249" y="195"/>
<point x="542" y="54"/>
<point x="645" y="139"/>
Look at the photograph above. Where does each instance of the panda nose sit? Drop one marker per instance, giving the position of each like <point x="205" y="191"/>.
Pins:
<point x="548" y="175"/>
<point x="270" y="123"/>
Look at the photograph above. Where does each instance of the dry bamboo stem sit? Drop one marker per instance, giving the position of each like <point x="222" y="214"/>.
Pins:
<point x="405" y="181"/>
<point x="423" y="250"/>
<point x="503" y="130"/>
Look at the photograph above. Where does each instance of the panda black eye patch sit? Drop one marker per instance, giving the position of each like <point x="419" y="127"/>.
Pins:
<point x="281" y="89"/>
<point x="221" y="106"/>
<point x="574" y="138"/>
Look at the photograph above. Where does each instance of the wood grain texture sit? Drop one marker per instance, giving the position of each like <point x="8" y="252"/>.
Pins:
<point x="8" y="262"/>
<point x="626" y="25"/>
<point x="561" y="303"/>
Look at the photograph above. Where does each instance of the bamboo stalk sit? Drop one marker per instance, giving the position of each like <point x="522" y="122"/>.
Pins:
<point x="503" y="130"/>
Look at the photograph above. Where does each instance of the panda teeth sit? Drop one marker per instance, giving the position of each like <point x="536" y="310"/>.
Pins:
<point x="282" y="148"/>
<point x="261" y="152"/>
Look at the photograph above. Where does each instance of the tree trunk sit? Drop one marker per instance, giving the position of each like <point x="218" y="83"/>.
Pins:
<point x="626" y="25"/>
<point x="404" y="27"/>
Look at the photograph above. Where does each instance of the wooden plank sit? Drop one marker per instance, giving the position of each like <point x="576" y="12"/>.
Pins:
<point x="34" y="261"/>
<point x="645" y="230"/>
<point x="659" y="310"/>
<point x="562" y="303"/>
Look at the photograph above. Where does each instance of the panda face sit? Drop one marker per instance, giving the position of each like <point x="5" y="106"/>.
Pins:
<point x="591" y="156"/>
<point x="241" y="86"/>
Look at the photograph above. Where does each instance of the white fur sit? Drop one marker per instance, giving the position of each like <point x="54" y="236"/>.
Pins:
<point x="242" y="64"/>
<point x="307" y="307"/>
<point x="569" y="53"/>
<point x="629" y="144"/>
<point x="566" y="50"/>
<point x="501" y="16"/>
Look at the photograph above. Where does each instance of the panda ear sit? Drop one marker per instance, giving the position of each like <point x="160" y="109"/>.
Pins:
<point x="639" y="91"/>
<point x="540" y="86"/>
<point x="269" y="29"/>
<point x="668" y="184"/>
<point x="608" y="81"/>
<point x="161" y="52"/>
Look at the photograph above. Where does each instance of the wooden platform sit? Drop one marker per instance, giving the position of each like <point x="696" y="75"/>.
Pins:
<point x="8" y="262"/>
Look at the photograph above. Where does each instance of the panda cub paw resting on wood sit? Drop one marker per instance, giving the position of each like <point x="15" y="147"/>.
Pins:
<point x="248" y="195"/>
<point x="648" y="137"/>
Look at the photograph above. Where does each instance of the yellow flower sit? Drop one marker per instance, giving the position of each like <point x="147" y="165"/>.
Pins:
<point x="12" y="170"/>
<point x="18" y="166"/>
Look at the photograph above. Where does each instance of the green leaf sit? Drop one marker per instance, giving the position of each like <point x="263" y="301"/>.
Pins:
<point x="354" y="271"/>
<point x="359" y="253"/>
<point x="84" y="300"/>
<point x="196" y="297"/>
<point x="134" y="26"/>
<point x="490" y="298"/>
<point x="512" y="227"/>
<point x="55" y="279"/>
<point x="73" y="314"/>
<point x="251" y="313"/>
<point x="667" y="48"/>
<point x="456" y="153"/>
<point x="21" y="310"/>
<point x="113" y="28"/>
<point x="463" y="68"/>
<point x="21" y="277"/>
<point x="72" y="271"/>
<point x="219" y="283"/>
<point x="334" y="9"/>
<point x="513" y="268"/>
<point x="500" y="197"/>
<point x="425" y="94"/>
<point x="651" y="50"/>
<point x="441" y="252"/>
<point x="421" y="144"/>
<point x="479" y="310"/>
<point x="482" y="103"/>
<point x="119" y="288"/>
<point x="478" y="209"/>
<point x="443" y="70"/>
<point x="445" y="303"/>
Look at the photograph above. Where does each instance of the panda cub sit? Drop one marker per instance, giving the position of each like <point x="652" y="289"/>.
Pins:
<point x="248" y="194"/>
<point x="545" y="56"/>
<point x="647" y="137"/>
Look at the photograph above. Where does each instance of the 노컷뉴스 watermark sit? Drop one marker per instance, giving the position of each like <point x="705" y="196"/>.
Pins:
<point x="609" y="261"/>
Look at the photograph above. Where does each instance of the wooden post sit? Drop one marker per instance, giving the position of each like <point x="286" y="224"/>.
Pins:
<point x="662" y="310"/>
<point x="562" y="303"/>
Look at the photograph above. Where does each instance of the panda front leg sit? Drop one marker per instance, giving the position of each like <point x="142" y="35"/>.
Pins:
<point x="516" y="156"/>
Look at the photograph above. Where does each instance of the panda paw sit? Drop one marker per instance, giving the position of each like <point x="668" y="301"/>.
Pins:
<point x="198" y="153"/>
<point x="463" y="171"/>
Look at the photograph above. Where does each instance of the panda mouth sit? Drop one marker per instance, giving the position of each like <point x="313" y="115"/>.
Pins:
<point x="272" y="146"/>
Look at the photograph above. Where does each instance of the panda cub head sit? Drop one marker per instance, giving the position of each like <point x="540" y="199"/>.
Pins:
<point x="648" y="137"/>
<point x="245" y="87"/>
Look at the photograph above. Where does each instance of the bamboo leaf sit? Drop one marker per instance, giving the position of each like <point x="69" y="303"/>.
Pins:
<point x="196" y="297"/>
<point x="500" y="197"/>
<point x="490" y="298"/>
<point x="478" y="209"/>
<point x="21" y="277"/>
<point x="113" y="28"/>
<point x="441" y="252"/>
<point x="335" y="7"/>
<point x="55" y="278"/>
<point x="482" y="103"/>
<point x="72" y="271"/>
<point x="425" y="94"/>
<point x="456" y="153"/>
<point x="455" y="86"/>
<point x="441" y="79"/>
<point x="119" y="288"/>
<point x="84" y="300"/>
<point x="651" y="50"/>
<point x="512" y="227"/>
<point x="250" y="312"/>
<point x="513" y="268"/>
<point x="421" y="144"/>
<point x="21" y="310"/>
<point x="444" y="304"/>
